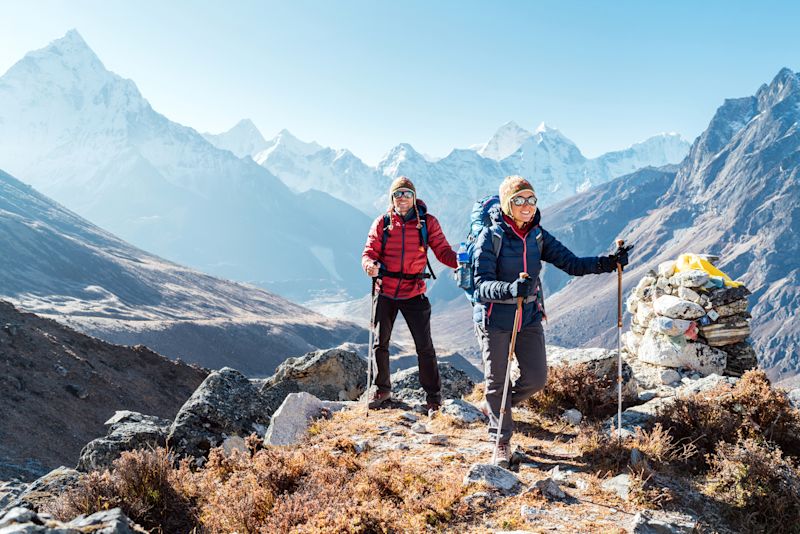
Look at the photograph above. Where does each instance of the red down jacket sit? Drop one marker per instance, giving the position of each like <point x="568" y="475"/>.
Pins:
<point x="404" y="252"/>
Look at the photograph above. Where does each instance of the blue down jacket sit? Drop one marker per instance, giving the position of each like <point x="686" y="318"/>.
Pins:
<point x="496" y="307"/>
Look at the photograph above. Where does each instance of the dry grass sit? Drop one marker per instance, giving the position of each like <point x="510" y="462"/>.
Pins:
<point x="574" y="387"/>
<point x="750" y="409"/>
<point x="759" y="485"/>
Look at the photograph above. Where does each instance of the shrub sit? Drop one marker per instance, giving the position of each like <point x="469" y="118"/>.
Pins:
<point x="143" y="483"/>
<point x="750" y="409"/>
<point x="760" y="486"/>
<point x="577" y="387"/>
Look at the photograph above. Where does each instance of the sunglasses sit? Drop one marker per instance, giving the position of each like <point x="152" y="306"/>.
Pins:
<point x="403" y="194"/>
<point x="521" y="201"/>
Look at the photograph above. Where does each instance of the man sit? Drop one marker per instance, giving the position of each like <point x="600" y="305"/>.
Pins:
<point x="397" y="251"/>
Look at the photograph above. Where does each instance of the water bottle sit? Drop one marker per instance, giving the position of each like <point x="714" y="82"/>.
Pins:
<point x="463" y="274"/>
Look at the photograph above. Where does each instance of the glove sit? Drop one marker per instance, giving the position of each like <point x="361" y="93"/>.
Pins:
<point x="521" y="287"/>
<point x="608" y="264"/>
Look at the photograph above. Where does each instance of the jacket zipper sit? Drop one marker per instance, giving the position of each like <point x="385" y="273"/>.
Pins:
<point x="402" y="256"/>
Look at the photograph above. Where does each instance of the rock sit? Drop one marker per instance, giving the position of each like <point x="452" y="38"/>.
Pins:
<point x="528" y="513"/>
<point x="572" y="416"/>
<point x="639" y="416"/>
<point x="704" y="359"/>
<point x="406" y="387"/>
<point x="550" y="489"/>
<point x="233" y="443"/>
<point x="335" y="374"/>
<point x="741" y="358"/>
<point x="675" y="352"/>
<point x="631" y="341"/>
<point x="24" y="521"/>
<point x="692" y="278"/>
<point x="676" y="308"/>
<point x="478" y="499"/>
<point x="705" y="384"/>
<point x="225" y="404"/>
<point x="601" y="362"/>
<point x="463" y="411"/>
<point x="726" y="332"/>
<point x="666" y="269"/>
<point x="631" y="303"/>
<point x="419" y="428"/>
<point x="636" y="457"/>
<point x="400" y="446"/>
<point x="620" y="484"/>
<point x="670" y="376"/>
<point x="688" y="294"/>
<point x="736" y="307"/>
<point x="726" y="295"/>
<point x="794" y="397"/>
<point x="493" y="476"/>
<point x="669" y="327"/>
<point x="290" y="421"/>
<point x="646" y="522"/>
<point x="410" y="417"/>
<point x="45" y="488"/>
<point x="644" y="312"/>
<point x="127" y="431"/>
<point x="437" y="439"/>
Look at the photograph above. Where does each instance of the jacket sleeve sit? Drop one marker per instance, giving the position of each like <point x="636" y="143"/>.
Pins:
<point x="438" y="243"/>
<point x="372" y="249"/>
<point x="487" y="286"/>
<point x="563" y="258"/>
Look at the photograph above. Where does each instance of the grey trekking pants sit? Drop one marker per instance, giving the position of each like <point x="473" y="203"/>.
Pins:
<point x="532" y="360"/>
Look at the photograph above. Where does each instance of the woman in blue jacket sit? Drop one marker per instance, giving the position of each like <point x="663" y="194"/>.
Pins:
<point x="515" y="244"/>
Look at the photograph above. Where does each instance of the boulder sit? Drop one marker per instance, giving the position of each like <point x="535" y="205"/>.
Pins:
<point x="702" y="385"/>
<point x="24" y="521"/>
<point x="463" y="411"/>
<point x="666" y="268"/>
<point x="794" y="397"/>
<point x="737" y="307"/>
<point x="572" y="416"/>
<point x="127" y="431"/>
<point x="726" y="295"/>
<point x="601" y="362"/>
<point x="660" y="350"/>
<point x="335" y="374"/>
<point x="550" y="489"/>
<point x="620" y="484"/>
<point x="669" y="327"/>
<point x="638" y="416"/>
<point x="493" y="476"/>
<point x="45" y="488"/>
<point x="688" y="294"/>
<point x="677" y="308"/>
<point x="225" y="404"/>
<point x="406" y="387"/>
<point x="704" y="359"/>
<point x="658" y="522"/>
<point x="291" y="420"/>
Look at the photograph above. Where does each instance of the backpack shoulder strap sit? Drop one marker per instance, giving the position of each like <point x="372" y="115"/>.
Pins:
<point x="539" y="239"/>
<point x="497" y="240"/>
<point x="423" y="231"/>
<point x="385" y="232"/>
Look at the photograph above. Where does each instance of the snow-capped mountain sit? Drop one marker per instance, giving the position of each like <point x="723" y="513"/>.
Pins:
<point x="508" y="139"/>
<point x="244" y="139"/>
<point x="554" y="163"/>
<point x="87" y="138"/>
<point x="56" y="264"/>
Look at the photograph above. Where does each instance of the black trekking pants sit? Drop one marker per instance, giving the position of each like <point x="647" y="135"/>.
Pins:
<point x="417" y="313"/>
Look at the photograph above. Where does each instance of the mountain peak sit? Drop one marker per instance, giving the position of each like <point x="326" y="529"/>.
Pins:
<point x="244" y="139"/>
<point x="507" y="140"/>
<point x="72" y="49"/>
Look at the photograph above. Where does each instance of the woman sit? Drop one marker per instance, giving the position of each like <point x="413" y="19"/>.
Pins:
<point x="523" y="245"/>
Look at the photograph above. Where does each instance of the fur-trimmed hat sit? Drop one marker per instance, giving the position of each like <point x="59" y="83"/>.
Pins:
<point x="512" y="186"/>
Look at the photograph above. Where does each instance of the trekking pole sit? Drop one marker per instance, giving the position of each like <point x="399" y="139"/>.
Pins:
<point x="517" y="321"/>
<point x="620" y="243"/>
<point x="370" y="348"/>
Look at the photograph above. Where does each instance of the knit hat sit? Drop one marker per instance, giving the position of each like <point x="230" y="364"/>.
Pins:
<point x="402" y="182"/>
<point x="510" y="187"/>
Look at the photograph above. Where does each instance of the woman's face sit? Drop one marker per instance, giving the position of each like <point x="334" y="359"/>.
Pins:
<point x="525" y="212"/>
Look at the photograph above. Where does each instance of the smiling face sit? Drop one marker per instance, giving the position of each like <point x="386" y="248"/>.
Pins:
<point x="403" y="202"/>
<point x="525" y="212"/>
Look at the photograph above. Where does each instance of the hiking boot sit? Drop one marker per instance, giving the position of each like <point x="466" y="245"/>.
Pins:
<point x="378" y="398"/>
<point x="503" y="455"/>
<point x="432" y="407"/>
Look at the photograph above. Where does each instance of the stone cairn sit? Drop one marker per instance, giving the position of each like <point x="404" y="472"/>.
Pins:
<point x="690" y="321"/>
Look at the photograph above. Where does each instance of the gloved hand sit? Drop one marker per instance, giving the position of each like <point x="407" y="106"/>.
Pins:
<point x="521" y="287"/>
<point x="608" y="264"/>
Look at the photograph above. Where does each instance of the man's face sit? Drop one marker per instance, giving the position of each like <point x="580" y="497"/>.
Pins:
<point x="403" y="199"/>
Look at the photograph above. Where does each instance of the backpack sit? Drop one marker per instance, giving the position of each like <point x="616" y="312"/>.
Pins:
<point x="478" y="220"/>
<point x="423" y="239"/>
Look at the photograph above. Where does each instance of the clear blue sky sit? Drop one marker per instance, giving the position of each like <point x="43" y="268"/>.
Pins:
<point x="369" y="74"/>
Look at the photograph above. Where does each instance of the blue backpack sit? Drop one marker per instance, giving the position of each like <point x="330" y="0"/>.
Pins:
<point x="479" y="219"/>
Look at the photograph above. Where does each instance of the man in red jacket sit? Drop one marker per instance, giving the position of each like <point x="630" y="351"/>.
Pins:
<point x="397" y="251"/>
